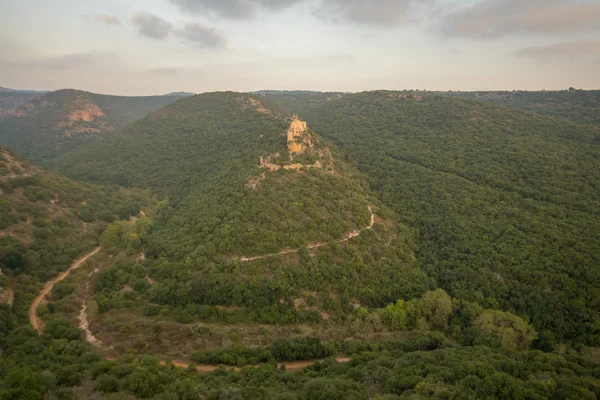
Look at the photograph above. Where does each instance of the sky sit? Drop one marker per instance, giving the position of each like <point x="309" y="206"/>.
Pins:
<point x="144" y="47"/>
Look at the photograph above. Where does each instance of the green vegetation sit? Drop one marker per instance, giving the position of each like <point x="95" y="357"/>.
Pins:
<point x="56" y="123"/>
<point x="59" y="365"/>
<point x="299" y="101"/>
<point x="48" y="220"/>
<point x="477" y="279"/>
<point x="504" y="204"/>
<point x="206" y="151"/>
<point x="579" y="106"/>
<point x="11" y="100"/>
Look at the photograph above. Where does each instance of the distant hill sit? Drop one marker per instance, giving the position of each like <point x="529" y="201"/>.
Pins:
<point x="580" y="106"/>
<point x="10" y="100"/>
<point x="58" y="122"/>
<point x="180" y="94"/>
<point x="299" y="101"/>
<point x="7" y="90"/>
<point x="505" y="204"/>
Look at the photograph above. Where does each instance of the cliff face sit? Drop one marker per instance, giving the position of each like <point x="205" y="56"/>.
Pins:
<point x="295" y="140"/>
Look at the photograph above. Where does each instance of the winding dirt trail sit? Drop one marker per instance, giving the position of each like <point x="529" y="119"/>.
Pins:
<point x="38" y="324"/>
<point x="345" y="238"/>
<point x="289" y="366"/>
<point x="84" y="323"/>
<point x="36" y="321"/>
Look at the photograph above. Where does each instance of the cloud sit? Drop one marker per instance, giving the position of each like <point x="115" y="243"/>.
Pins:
<point x="191" y="33"/>
<point x="571" y="51"/>
<point x="165" y="71"/>
<point x="373" y="12"/>
<point x="200" y="36"/>
<point x="108" y="19"/>
<point x="235" y="9"/>
<point x="64" y="62"/>
<point x="368" y="12"/>
<point x="489" y="19"/>
<point x="151" y="25"/>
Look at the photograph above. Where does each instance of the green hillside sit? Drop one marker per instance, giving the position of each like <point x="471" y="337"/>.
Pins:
<point x="204" y="154"/>
<point x="58" y="122"/>
<point x="579" y="106"/>
<point x="322" y="252"/>
<point x="9" y="101"/>
<point x="504" y="203"/>
<point x="300" y="101"/>
<point x="47" y="220"/>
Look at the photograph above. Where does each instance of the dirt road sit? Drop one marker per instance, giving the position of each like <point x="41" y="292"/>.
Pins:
<point x="345" y="238"/>
<point x="289" y="366"/>
<point x="36" y="321"/>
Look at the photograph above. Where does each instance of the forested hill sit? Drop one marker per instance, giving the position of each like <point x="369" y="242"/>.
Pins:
<point x="9" y="101"/>
<point x="579" y="106"/>
<point x="241" y="191"/>
<point x="504" y="203"/>
<point x="47" y="220"/>
<point x="300" y="101"/>
<point x="223" y="161"/>
<point x="58" y="122"/>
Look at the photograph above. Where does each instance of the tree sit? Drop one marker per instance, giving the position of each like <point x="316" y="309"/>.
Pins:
<point x="436" y="308"/>
<point x="394" y="316"/>
<point x="504" y="328"/>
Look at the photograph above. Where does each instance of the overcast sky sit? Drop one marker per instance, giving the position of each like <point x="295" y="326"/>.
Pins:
<point x="156" y="46"/>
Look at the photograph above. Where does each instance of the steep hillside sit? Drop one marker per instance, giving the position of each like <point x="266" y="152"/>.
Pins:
<point x="579" y="106"/>
<point x="504" y="203"/>
<point x="9" y="101"/>
<point x="299" y="101"/>
<point x="47" y="220"/>
<point x="58" y="122"/>
<point x="253" y="187"/>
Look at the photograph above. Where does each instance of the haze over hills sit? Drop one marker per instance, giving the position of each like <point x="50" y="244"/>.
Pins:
<point x="35" y="92"/>
<point x="58" y="122"/>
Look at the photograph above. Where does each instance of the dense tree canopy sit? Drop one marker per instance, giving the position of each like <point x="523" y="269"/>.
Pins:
<point x="504" y="204"/>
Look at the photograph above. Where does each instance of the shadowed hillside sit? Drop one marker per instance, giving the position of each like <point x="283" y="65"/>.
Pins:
<point x="9" y="101"/>
<point x="58" y="122"/>
<point x="47" y="220"/>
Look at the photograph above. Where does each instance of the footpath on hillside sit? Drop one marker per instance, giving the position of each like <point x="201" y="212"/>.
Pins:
<point x="38" y="324"/>
<point x="34" y="319"/>
<point x="345" y="238"/>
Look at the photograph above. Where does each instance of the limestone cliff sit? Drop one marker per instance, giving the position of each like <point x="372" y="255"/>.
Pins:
<point x="297" y="141"/>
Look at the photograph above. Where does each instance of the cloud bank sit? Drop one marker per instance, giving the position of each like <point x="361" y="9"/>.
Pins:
<point x="151" y="25"/>
<point x="489" y="19"/>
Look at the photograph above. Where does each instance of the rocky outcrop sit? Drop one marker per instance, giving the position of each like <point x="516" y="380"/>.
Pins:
<point x="297" y="140"/>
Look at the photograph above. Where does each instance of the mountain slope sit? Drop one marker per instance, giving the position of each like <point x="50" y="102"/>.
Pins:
<point x="47" y="220"/>
<point x="58" y="122"/>
<point x="579" y="106"/>
<point x="505" y="203"/>
<point x="9" y="101"/>
<point x="246" y="181"/>
<point x="299" y="101"/>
